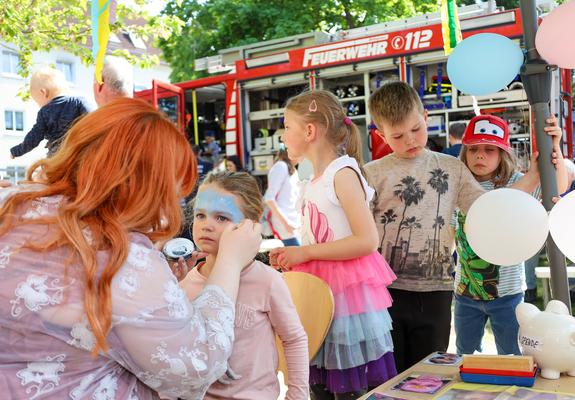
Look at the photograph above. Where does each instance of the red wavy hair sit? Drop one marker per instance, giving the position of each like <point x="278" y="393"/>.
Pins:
<point x="122" y="168"/>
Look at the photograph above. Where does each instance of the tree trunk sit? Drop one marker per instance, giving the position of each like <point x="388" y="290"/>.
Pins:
<point x="348" y="17"/>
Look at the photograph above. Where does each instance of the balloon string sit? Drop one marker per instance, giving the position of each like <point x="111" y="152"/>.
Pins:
<point x="476" y="106"/>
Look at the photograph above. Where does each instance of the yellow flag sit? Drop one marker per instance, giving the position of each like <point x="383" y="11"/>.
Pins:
<point x="450" y="25"/>
<point x="100" y="33"/>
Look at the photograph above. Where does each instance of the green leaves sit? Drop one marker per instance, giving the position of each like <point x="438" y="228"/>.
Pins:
<point x="212" y="25"/>
<point x="31" y="25"/>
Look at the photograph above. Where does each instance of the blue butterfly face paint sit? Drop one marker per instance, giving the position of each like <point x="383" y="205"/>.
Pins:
<point x="215" y="203"/>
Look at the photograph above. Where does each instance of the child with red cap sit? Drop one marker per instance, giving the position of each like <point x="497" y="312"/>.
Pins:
<point x="483" y="290"/>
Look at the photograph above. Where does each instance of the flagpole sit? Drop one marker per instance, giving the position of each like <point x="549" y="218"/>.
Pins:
<point x="536" y="77"/>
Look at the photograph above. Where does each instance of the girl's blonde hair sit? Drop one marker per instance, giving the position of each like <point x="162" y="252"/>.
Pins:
<point x="244" y="186"/>
<point x="122" y="168"/>
<point x="323" y="108"/>
<point x="508" y="165"/>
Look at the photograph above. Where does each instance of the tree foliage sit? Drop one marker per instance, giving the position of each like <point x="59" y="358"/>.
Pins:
<point x="42" y="25"/>
<point x="212" y="25"/>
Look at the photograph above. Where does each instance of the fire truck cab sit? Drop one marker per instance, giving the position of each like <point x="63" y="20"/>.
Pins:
<point x="242" y="104"/>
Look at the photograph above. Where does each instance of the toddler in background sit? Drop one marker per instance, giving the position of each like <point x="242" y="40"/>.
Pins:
<point x="57" y="111"/>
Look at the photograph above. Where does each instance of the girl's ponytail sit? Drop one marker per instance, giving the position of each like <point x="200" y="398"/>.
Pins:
<point x="352" y="143"/>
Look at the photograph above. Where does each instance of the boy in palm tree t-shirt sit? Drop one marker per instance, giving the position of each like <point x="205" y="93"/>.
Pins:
<point x="416" y="193"/>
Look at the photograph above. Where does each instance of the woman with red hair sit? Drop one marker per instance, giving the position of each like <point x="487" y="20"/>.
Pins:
<point x="88" y="307"/>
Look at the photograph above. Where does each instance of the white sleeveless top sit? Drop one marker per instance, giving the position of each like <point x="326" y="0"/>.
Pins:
<point x="323" y="218"/>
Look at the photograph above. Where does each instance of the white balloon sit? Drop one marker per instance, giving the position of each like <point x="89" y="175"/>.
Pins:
<point x="506" y="226"/>
<point x="562" y="225"/>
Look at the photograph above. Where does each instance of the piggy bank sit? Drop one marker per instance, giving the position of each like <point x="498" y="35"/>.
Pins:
<point x="548" y="336"/>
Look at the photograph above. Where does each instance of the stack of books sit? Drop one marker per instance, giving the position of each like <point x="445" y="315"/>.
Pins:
<point x="498" y="370"/>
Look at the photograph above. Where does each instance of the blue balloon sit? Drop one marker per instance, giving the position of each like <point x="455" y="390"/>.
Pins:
<point x="484" y="63"/>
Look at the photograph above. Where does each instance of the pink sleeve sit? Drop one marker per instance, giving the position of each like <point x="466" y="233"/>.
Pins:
<point x="287" y="326"/>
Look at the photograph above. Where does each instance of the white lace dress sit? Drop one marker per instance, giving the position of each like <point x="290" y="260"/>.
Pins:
<point x="159" y="341"/>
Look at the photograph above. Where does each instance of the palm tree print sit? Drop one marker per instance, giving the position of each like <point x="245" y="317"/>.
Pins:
<point x="437" y="225"/>
<point x="409" y="192"/>
<point x="438" y="182"/>
<point x="387" y="218"/>
<point x="409" y="223"/>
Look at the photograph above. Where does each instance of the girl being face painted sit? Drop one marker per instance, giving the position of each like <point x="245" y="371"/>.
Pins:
<point x="214" y="209"/>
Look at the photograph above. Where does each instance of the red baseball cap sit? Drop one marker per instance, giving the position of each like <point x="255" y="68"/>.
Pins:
<point x="487" y="129"/>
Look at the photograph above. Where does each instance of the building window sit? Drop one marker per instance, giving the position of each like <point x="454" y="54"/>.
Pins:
<point x="137" y="41"/>
<point x="14" y="120"/>
<point x="13" y="173"/>
<point x="10" y="61"/>
<point x="67" y="69"/>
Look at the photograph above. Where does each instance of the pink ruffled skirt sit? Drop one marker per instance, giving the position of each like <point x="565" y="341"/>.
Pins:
<point x="360" y="333"/>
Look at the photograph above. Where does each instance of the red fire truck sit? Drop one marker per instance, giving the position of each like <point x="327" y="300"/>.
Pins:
<point x="243" y="105"/>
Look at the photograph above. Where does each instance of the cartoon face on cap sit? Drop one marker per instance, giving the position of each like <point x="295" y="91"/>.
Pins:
<point x="486" y="127"/>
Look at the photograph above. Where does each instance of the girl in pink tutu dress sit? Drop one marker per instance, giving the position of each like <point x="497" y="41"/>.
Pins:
<point x="339" y="240"/>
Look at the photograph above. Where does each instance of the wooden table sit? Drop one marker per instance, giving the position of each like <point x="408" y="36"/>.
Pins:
<point x="566" y="384"/>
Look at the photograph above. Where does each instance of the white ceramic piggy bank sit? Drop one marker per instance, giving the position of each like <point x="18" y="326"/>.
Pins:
<point x="548" y="336"/>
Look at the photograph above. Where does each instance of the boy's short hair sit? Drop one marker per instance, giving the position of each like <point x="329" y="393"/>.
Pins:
<point x="50" y="79"/>
<point x="393" y="102"/>
<point x="457" y="129"/>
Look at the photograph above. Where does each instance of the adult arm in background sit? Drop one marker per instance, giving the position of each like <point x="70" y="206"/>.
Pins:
<point x="32" y="138"/>
<point x="277" y="175"/>
<point x="273" y="206"/>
